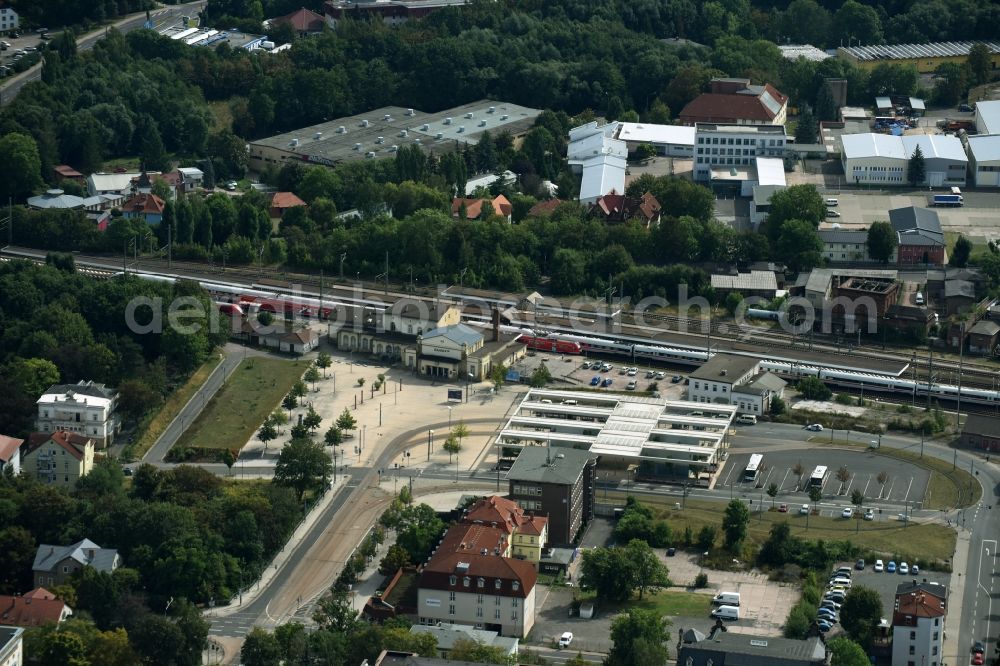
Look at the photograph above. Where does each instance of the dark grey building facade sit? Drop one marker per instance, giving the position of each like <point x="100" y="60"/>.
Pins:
<point x="557" y="483"/>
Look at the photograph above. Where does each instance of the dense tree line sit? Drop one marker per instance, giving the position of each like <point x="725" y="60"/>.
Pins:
<point x="60" y="326"/>
<point x="57" y="13"/>
<point x="184" y="534"/>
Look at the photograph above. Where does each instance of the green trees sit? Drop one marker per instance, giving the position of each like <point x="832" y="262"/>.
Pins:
<point x="881" y="241"/>
<point x="799" y="245"/>
<point x="303" y="465"/>
<point x="346" y="421"/>
<point x="21" y="168"/>
<point x="798" y="202"/>
<point x="806" y="128"/>
<point x="637" y="522"/>
<point x="960" y="253"/>
<point x="615" y="573"/>
<point x="734" y="525"/>
<point x="979" y="63"/>
<point x="813" y="388"/>
<point x="845" y="652"/>
<point x="452" y="446"/>
<point x="916" y="167"/>
<point x="856" y="22"/>
<point x="861" y="613"/>
<point x="639" y="638"/>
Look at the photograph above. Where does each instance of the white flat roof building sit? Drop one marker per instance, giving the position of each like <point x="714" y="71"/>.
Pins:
<point x="984" y="159"/>
<point x="884" y="158"/>
<point x="807" y="51"/>
<point x="988" y="117"/>
<point x="602" y="175"/>
<point x="667" y="439"/>
<point x="668" y="140"/>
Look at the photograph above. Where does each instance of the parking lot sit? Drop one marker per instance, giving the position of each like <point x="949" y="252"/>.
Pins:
<point x="886" y="583"/>
<point x="904" y="483"/>
<point x="764" y="604"/>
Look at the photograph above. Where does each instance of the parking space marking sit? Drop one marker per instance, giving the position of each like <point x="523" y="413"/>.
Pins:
<point x="850" y="483"/>
<point x="908" y="486"/>
<point x="888" y="493"/>
<point x="783" y="479"/>
<point x="867" y="483"/>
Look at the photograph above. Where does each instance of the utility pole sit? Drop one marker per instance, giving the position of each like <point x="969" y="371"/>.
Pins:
<point x="169" y="248"/>
<point x="319" y="315"/>
<point x="930" y="373"/>
<point x="386" y="291"/>
<point x="343" y="255"/>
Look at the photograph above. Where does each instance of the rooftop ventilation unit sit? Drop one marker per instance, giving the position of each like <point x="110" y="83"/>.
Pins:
<point x="470" y="114"/>
<point x="380" y="140"/>
<point x="461" y="129"/>
<point x="447" y="121"/>
<point x="387" y="117"/>
<point x="364" y="123"/>
<point x="293" y="143"/>
<point x="439" y="136"/>
<point x="409" y="112"/>
<point x="357" y="146"/>
<point x="491" y="109"/>
<point x="416" y="141"/>
<point x="317" y="136"/>
<point x="402" y="133"/>
<point x="340" y="130"/>
<point x="504" y="117"/>
<point x="369" y="155"/>
<point x="482" y="123"/>
<point x="425" y="127"/>
<point x="393" y="149"/>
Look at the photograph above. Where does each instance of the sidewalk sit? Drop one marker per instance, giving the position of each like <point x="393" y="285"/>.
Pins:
<point x="951" y="652"/>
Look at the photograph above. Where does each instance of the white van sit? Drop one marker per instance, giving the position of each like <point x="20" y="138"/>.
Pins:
<point x="726" y="599"/>
<point x="748" y="419"/>
<point x="726" y="613"/>
<point x="919" y="298"/>
<point x="832" y="202"/>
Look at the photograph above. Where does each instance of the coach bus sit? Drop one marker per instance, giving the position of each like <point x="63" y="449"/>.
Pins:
<point x="753" y="468"/>
<point x="818" y="477"/>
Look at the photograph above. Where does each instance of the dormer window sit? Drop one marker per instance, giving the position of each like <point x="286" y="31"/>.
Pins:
<point x="466" y="581"/>
<point x="499" y="583"/>
<point x="481" y="582"/>
<point x="452" y="580"/>
<point x="515" y="586"/>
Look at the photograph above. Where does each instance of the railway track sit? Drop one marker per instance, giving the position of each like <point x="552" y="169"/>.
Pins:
<point x="974" y="373"/>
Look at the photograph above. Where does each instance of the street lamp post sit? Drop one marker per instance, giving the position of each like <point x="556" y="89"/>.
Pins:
<point x="430" y="442"/>
<point x="449" y="417"/>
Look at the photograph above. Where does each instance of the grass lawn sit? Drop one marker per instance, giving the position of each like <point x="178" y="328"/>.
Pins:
<point x="915" y="541"/>
<point x="171" y="407"/>
<point x="676" y="602"/>
<point x="254" y="390"/>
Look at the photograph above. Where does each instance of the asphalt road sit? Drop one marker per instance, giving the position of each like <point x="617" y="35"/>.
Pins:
<point x="161" y="18"/>
<point x="234" y="355"/>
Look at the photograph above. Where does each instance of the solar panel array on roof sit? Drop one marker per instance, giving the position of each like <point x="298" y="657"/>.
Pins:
<point x="905" y="51"/>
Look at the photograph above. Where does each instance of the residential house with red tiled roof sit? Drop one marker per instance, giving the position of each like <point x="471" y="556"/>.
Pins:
<point x="59" y="457"/>
<point x="737" y="102"/>
<point x="615" y="207"/>
<point x="10" y="454"/>
<point x="918" y="623"/>
<point x="303" y="21"/>
<point x="34" y="609"/>
<point x="545" y="208"/>
<point x="148" y="207"/>
<point x="528" y="533"/>
<point x="474" y="209"/>
<point x="66" y="172"/>
<point x="282" y="201"/>
<point x="469" y="579"/>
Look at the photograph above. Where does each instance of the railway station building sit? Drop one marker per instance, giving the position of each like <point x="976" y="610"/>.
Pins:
<point x="729" y="379"/>
<point x="981" y="431"/>
<point x="634" y="437"/>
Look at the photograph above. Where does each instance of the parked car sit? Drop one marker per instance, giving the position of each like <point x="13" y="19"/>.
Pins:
<point x="847" y="513"/>
<point x="231" y="185"/>
<point x="904" y="568"/>
<point x="623" y="370"/>
<point x="830" y="603"/>
<point x="827" y="614"/>
<point x="832" y="213"/>
<point x="891" y="567"/>
<point x="869" y="514"/>
<point x="965" y="108"/>
<point x="632" y="372"/>
<point x="566" y="639"/>
<point x="835" y="596"/>
<point x="607" y="382"/>
<point x="661" y="375"/>
<point x="586" y="365"/>
<point x="977" y="659"/>
<point x="824" y="626"/>
<point x="979" y="647"/>
<point x="630" y="386"/>
<point x="671" y="551"/>
<point x="804" y="510"/>
<point x="676" y="379"/>
<point x="595" y="380"/>
<point x="914" y="570"/>
<point x="859" y="565"/>
<point x="815" y="427"/>
<point x="650" y="374"/>
<point x="783" y="508"/>
<point x="879" y="566"/>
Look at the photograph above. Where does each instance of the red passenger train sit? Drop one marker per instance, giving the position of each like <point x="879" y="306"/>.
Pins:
<point x="552" y="345"/>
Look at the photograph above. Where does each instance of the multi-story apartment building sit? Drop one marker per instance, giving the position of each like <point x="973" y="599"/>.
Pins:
<point x="527" y="532"/>
<point x="918" y="624"/>
<point x="556" y="483"/>
<point x="468" y="579"/>
<point x="727" y="146"/>
<point x="59" y="458"/>
<point x="85" y="408"/>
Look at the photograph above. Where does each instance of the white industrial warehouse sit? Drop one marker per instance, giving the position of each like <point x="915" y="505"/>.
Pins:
<point x="653" y="438"/>
<point x="884" y="159"/>
<point x="984" y="160"/>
